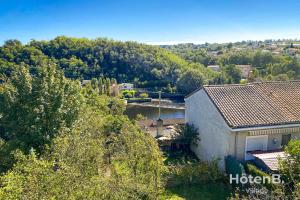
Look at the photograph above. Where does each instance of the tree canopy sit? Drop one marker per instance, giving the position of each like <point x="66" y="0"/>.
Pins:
<point x="60" y="140"/>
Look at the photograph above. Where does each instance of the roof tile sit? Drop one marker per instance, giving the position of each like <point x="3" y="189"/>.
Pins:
<point x="257" y="104"/>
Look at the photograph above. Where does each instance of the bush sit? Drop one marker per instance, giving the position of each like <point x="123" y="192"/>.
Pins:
<point x="143" y="95"/>
<point x="128" y="93"/>
<point x="233" y="166"/>
<point x="254" y="171"/>
<point x="192" y="173"/>
<point x="191" y="80"/>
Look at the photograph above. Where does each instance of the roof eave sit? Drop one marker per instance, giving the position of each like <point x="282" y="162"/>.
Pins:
<point x="260" y="127"/>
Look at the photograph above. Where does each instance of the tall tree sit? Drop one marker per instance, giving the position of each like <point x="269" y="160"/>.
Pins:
<point x="34" y="107"/>
<point x="191" y="80"/>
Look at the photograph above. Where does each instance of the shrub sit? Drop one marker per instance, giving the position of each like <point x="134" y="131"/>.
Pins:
<point x="128" y="93"/>
<point x="192" y="173"/>
<point x="233" y="166"/>
<point x="254" y="171"/>
<point x="143" y="95"/>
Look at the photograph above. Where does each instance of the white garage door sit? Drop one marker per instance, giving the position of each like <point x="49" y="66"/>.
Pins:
<point x="255" y="143"/>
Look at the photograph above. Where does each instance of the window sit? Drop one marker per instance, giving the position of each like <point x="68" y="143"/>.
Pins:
<point x="285" y="139"/>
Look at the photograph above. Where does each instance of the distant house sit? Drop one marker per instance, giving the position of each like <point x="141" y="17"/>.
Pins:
<point x="250" y="122"/>
<point x="245" y="69"/>
<point x="85" y="82"/>
<point x="125" y="86"/>
<point x="214" y="67"/>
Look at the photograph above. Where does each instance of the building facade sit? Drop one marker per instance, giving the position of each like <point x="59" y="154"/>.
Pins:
<point x="242" y="120"/>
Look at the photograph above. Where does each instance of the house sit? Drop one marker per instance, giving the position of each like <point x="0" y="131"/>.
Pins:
<point x="245" y="69"/>
<point x="244" y="120"/>
<point x="85" y="82"/>
<point x="125" y="86"/>
<point x="215" y="68"/>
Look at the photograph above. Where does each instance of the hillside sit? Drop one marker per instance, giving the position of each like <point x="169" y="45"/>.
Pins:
<point x="144" y="65"/>
<point x="173" y="68"/>
<point x="270" y="59"/>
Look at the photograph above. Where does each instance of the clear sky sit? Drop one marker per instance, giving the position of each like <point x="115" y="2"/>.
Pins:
<point x="151" y="21"/>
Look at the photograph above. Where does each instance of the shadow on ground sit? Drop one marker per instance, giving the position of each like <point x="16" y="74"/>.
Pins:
<point x="213" y="191"/>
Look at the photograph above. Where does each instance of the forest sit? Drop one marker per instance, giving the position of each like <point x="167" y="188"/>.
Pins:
<point x="177" y="68"/>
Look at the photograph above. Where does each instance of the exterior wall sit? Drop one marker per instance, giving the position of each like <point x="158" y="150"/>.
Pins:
<point x="271" y="144"/>
<point x="126" y="86"/>
<point x="217" y="138"/>
<point x="217" y="141"/>
<point x="241" y="142"/>
<point x="241" y="145"/>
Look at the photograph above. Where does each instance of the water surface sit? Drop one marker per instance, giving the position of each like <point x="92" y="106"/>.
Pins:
<point x="150" y="110"/>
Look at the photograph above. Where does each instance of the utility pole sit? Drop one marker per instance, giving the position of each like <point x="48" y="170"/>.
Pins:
<point x="159" y="99"/>
<point x="159" y="122"/>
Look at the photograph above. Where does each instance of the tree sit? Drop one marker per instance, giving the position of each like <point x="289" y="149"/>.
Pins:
<point x="33" y="108"/>
<point x="75" y="167"/>
<point x="101" y="89"/>
<point x="108" y="87"/>
<point x="191" y="80"/>
<point x="95" y="84"/>
<point x="232" y="73"/>
<point x="188" y="136"/>
<point x="143" y="95"/>
<point x="290" y="166"/>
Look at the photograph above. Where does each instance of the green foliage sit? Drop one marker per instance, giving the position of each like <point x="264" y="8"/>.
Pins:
<point x="259" y="192"/>
<point x="122" y="60"/>
<point x="234" y="167"/>
<point x="35" y="107"/>
<point x="63" y="141"/>
<point x="232" y="74"/>
<point x="143" y="65"/>
<point x="143" y="95"/>
<point x="191" y="53"/>
<point x="75" y="167"/>
<point x="193" y="173"/>
<point x="128" y="93"/>
<point x="208" y="191"/>
<point x="188" y="135"/>
<point x="290" y="166"/>
<point x="255" y="172"/>
<point x="267" y="65"/>
<point x="191" y="80"/>
<point x="102" y="156"/>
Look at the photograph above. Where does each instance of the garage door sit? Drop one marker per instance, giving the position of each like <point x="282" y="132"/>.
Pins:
<point x="255" y="143"/>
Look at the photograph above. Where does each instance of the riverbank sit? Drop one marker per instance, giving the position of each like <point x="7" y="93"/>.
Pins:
<point x="138" y="100"/>
<point x="150" y="110"/>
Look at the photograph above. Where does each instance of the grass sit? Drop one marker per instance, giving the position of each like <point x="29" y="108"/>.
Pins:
<point x="211" y="191"/>
<point x="206" y="191"/>
<point x="179" y="158"/>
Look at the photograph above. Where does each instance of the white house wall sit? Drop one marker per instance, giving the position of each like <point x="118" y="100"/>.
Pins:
<point x="217" y="141"/>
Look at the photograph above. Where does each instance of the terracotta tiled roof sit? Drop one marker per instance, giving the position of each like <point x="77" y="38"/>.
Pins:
<point x="257" y="104"/>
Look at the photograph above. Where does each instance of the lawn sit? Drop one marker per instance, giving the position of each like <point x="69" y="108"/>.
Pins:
<point x="193" y="191"/>
<point x="212" y="191"/>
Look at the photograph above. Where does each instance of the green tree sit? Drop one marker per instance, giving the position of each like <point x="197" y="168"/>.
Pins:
<point x="33" y="108"/>
<point x="290" y="166"/>
<point x="75" y="167"/>
<point x="95" y="84"/>
<point x="108" y="85"/>
<point x="191" y="80"/>
<point x="232" y="73"/>
<point x="101" y="89"/>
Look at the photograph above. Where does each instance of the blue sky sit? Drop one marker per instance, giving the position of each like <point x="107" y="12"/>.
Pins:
<point x="151" y="21"/>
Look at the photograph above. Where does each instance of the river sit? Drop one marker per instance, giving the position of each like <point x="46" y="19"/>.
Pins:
<point x="169" y="109"/>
